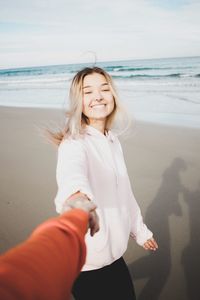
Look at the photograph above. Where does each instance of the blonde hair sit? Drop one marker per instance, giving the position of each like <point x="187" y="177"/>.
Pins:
<point x="118" y="120"/>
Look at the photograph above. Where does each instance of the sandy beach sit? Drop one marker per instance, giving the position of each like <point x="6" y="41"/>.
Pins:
<point x="163" y="163"/>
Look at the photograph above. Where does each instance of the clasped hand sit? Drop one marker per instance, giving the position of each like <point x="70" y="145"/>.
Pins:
<point x="88" y="206"/>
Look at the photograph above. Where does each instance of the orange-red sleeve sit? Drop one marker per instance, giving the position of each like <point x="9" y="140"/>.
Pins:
<point x="46" y="265"/>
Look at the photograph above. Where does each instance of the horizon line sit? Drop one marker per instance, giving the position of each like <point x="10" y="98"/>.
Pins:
<point x="96" y="63"/>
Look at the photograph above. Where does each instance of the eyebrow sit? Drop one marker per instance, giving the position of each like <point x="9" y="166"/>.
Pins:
<point x="88" y="86"/>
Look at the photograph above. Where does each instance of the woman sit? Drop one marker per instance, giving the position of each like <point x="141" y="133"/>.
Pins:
<point x="91" y="165"/>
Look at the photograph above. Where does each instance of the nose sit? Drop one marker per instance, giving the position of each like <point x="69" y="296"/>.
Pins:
<point x="98" y="96"/>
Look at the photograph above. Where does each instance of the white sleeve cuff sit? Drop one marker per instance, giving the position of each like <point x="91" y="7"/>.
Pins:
<point x="143" y="235"/>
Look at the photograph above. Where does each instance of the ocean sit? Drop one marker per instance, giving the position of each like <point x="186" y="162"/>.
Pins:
<point x="155" y="90"/>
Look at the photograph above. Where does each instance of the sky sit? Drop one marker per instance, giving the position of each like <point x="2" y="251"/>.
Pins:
<point x="47" y="32"/>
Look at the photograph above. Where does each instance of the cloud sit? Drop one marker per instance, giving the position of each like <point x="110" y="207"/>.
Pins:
<point x="62" y="30"/>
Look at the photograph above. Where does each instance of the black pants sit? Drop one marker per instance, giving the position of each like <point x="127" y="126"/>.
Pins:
<point x="112" y="282"/>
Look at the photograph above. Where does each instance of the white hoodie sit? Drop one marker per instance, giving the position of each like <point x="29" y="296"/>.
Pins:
<point x="95" y="166"/>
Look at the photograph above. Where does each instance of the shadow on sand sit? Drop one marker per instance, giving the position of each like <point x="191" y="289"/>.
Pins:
<point x="190" y="258"/>
<point x="155" y="266"/>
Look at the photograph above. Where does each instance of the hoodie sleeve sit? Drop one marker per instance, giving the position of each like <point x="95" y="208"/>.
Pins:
<point x="71" y="172"/>
<point x="139" y="230"/>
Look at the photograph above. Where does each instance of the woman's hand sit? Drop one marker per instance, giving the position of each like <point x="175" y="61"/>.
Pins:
<point x="150" y="244"/>
<point x="83" y="203"/>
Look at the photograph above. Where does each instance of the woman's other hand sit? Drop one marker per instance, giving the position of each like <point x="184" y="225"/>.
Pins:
<point x="151" y="244"/>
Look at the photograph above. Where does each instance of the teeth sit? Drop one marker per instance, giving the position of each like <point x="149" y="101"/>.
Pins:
<point x="98" y="105"/>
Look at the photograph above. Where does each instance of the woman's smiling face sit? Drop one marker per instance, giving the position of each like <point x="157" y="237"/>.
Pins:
<point x="98" y="101"/>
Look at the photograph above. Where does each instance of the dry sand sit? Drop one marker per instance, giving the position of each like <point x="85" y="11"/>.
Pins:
<point x="164" y="167"/>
